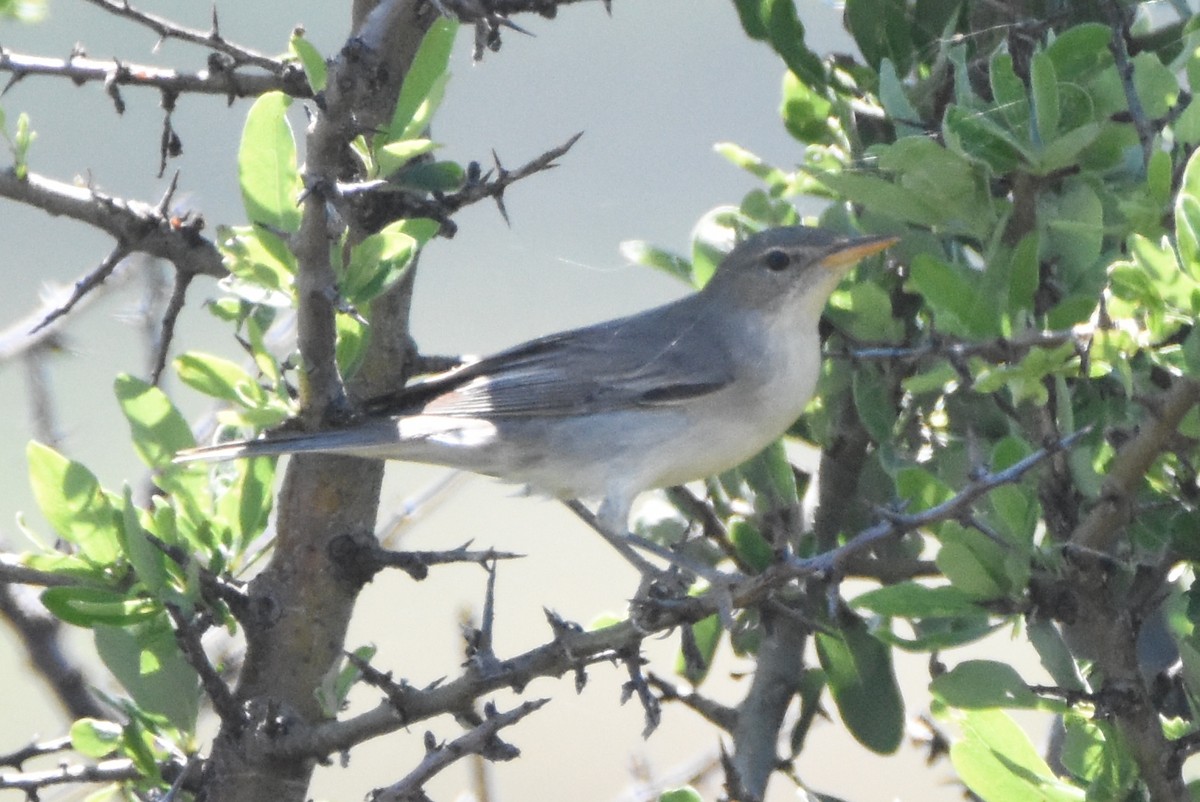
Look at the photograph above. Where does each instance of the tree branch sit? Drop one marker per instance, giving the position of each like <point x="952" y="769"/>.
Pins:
<point x="1128" y="469"/>
<point x="139" y="226"/>
<point x="212" y="39"/>
<point x="481" y="740"/>
<point x="220" y="79"/>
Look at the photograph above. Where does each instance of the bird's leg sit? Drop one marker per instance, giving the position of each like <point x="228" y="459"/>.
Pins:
<point x="616" y="537"/>
<point x="611" y="521"/>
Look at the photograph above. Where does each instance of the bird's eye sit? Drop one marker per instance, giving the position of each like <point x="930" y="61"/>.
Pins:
<point x="776" y="259"/>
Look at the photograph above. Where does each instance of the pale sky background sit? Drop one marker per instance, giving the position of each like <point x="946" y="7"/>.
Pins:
<point x="653" y="88"/>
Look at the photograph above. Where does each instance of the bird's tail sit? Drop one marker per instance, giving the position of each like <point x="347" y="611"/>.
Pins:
<point x="353" y="441"/>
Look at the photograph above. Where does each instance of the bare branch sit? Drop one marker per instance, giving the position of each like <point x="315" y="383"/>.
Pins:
<point x="84" y="286"/>
<point x="187" y="636"/>
<point x="377" y="202"/>
<point x="20" y="338"/>
<point x="1001" y="349"/>
<point x="416" y="563"/>
<point x="137" y="225"/>
<point x="212" y="39"/>
<point x="107" y="771"/>
<point x="481" y="740"/>
<point x="226" y="80"/>
<point x="17" y="759"/>
<point x="167" y="330"/>
<point x="722" y="716"/>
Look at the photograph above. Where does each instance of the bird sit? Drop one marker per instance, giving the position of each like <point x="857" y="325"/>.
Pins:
<point x="604" y="412"/>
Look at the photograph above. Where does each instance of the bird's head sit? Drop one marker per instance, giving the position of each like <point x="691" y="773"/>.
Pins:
<point x="794" y="267"/>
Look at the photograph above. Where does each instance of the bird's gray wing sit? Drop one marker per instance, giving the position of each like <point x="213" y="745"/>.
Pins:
<point x="657" y="357"/>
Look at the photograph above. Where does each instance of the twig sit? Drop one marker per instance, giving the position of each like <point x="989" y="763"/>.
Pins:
<point x="1001" y="349"/>
<point x="227" y="82"/>
<point x="137" y="225"/>
<point x="170" y="317"/>
<point x="416" y="563"/>
<point x="723" y="716"/>
<point x="952" y="508"/>
<point x="84" y="286"/>
<point x="481" y="740"/>
<point x="212" y="39"/>
<point x="393" y="201"/>
<point x="19" y="339"/>
<point x="17" y="759"/>
<point x="222" y="698"/>
<point x="107" y="771"/>
<point x="1128" y="469"/>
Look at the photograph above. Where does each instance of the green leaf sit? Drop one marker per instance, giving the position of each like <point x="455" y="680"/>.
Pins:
<point x="90" y="607"/>
<point x="750" y="13"/>
<point x="972" y="562"/>
<point x="95" y="738"/>
<point x="315" y="68"/>
<point x="744" y="159"/>
<point x="394" y="155"/>
<point x="685" y="794"/>
<point x="882" y="197"/>
<point x="863" y="310"/>
<point x="707" y="635"/>
<point x="771" y="476"/>
<point x="377" y="262"/>
<point x="219" y="378"/>
<point x="1092" y="751"/>
<point x="431" y="176"/>
<point x="859" y="671"/>
<point x="872" y="400"/>
<point x="149" y="563"/>
<point x="749" y="544"/>
<point x="1080" y="52"/>
<point x="423" y="84"/>
<point x="147" y="662"/>
<point x="1072" y="222"/>
<point x="159" y="429"/>
<point x="352" y="338"/>
<point x="1044" y="89"/>
<point x="996" y="761"/>
<point x="71" y="499"/>
<point x="1187" y="215"/>
<point x="643" y="253"/>
<point x="881" y="30"/>
<point x="893" y="96"/>
<point x="1054" y="654"/>
<point x="267" y="170"/>
<point x="786" y="33"/>
<point x="921" y="488"/>
<point x="976" y="684"/>
<point x="914" y="600"/>
<point x="982" y="140"/>
<point x="807" y="115"/>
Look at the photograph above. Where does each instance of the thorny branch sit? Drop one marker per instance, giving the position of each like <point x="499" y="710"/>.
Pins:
<point x="377" y="202"/>
<point x="481" y="740"/>
<point x="219" y="79"/>
<point x="212" y="39"/>
<point x="140" y="227"/>
<point x="572" y="648"/>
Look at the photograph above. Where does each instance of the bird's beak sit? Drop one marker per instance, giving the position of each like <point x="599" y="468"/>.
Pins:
<point x="849" y="251"/>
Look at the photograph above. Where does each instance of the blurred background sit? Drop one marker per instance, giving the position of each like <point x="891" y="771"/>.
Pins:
<point x="652" y="87"/>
